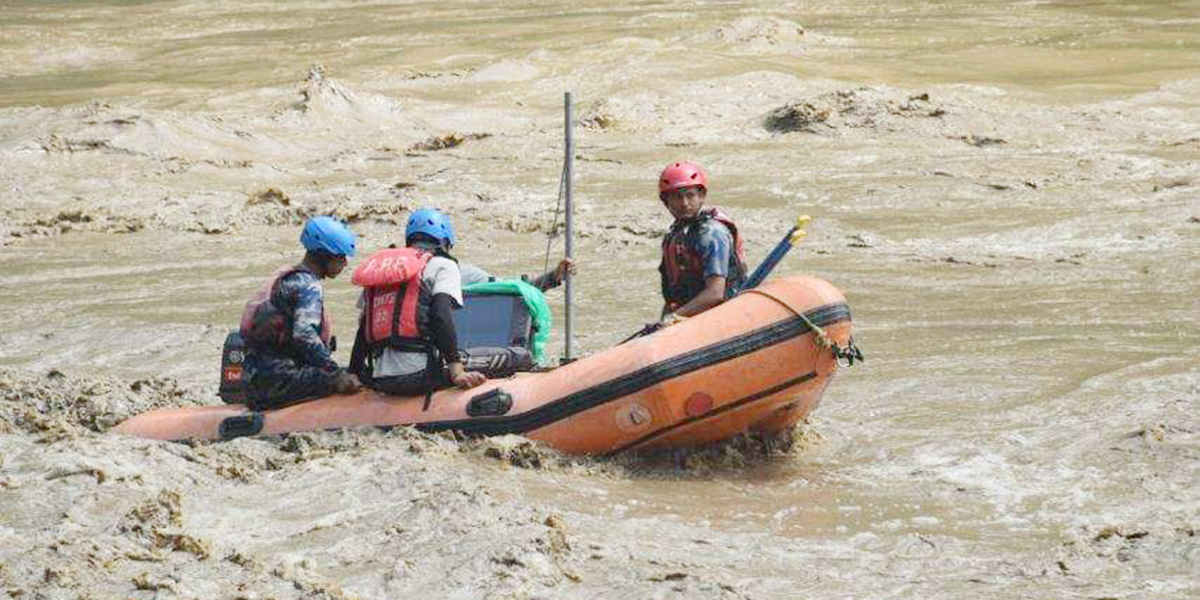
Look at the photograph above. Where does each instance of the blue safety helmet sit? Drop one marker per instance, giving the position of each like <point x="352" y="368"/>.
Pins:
<point x="328" y="235"/>
<point x="431" y="222"/>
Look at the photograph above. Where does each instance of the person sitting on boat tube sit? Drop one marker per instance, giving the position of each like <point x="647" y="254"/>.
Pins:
<point x="703" y="262"/>
<point x="287" y="329"/>
<point x="407" y="344"/>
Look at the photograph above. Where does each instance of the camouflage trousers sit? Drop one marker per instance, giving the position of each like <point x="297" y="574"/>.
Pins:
<point x="278" y="381"/>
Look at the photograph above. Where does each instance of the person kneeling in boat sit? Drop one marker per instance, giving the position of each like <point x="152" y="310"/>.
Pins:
<point x="703" y="262"/>
<point x="287" y="330"/>
<point x="407" y="344"/>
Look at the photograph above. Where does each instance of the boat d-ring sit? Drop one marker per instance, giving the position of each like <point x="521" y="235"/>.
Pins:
<point x="847" y="356"/>
<point x="240" y="426"/>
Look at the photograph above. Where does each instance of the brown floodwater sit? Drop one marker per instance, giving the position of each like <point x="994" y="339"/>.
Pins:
<point x="1005" y="190"/>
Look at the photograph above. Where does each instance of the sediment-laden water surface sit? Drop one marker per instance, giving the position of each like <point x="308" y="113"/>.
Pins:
<point x="1006" y="191"/>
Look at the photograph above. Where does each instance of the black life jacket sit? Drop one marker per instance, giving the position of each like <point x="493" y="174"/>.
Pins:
<point x="682" y="266"/>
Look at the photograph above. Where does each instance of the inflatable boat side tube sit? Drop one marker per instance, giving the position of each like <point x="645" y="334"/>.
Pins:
<point x="630" y="383"/>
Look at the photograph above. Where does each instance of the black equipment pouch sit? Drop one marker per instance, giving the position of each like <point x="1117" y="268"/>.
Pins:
<point x="233" y="375"/>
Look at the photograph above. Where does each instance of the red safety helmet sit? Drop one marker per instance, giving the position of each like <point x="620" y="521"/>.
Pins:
<point x="680" y="175"/>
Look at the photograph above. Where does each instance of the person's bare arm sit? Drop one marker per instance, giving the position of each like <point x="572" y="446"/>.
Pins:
<point x="463" y="378"/>
<point x="712" y="295"/>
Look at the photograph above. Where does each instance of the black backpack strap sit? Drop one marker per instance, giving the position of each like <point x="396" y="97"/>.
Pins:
<point x="360" y="356"/>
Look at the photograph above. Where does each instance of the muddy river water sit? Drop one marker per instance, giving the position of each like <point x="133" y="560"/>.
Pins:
<point x="1007" y="191"/>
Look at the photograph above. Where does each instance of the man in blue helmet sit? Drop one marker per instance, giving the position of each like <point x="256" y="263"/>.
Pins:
<point x="406" y="343"/>
<point x="472" y="274"/>
<point x="287" y="329"/>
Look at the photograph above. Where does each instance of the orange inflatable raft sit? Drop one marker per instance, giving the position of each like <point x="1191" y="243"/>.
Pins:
<point x="759" y="362"/>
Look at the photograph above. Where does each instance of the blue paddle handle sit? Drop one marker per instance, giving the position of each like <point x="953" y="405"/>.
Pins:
<point x="768" y="264"/>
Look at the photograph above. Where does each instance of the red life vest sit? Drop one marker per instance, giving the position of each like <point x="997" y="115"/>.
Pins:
<point x="266" y="323"/>
<point x="682" y="266"/>
<point x="391" y="279"/>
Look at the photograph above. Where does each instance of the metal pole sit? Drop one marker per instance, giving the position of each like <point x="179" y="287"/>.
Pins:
<point x="567" y="173"/>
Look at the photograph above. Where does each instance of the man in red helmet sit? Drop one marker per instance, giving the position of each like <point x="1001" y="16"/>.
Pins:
<point x="703" y="263"/>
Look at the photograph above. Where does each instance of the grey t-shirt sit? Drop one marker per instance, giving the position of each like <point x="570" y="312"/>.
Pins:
<point x="441" y="276"/>
<point x="473" y="274"/>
